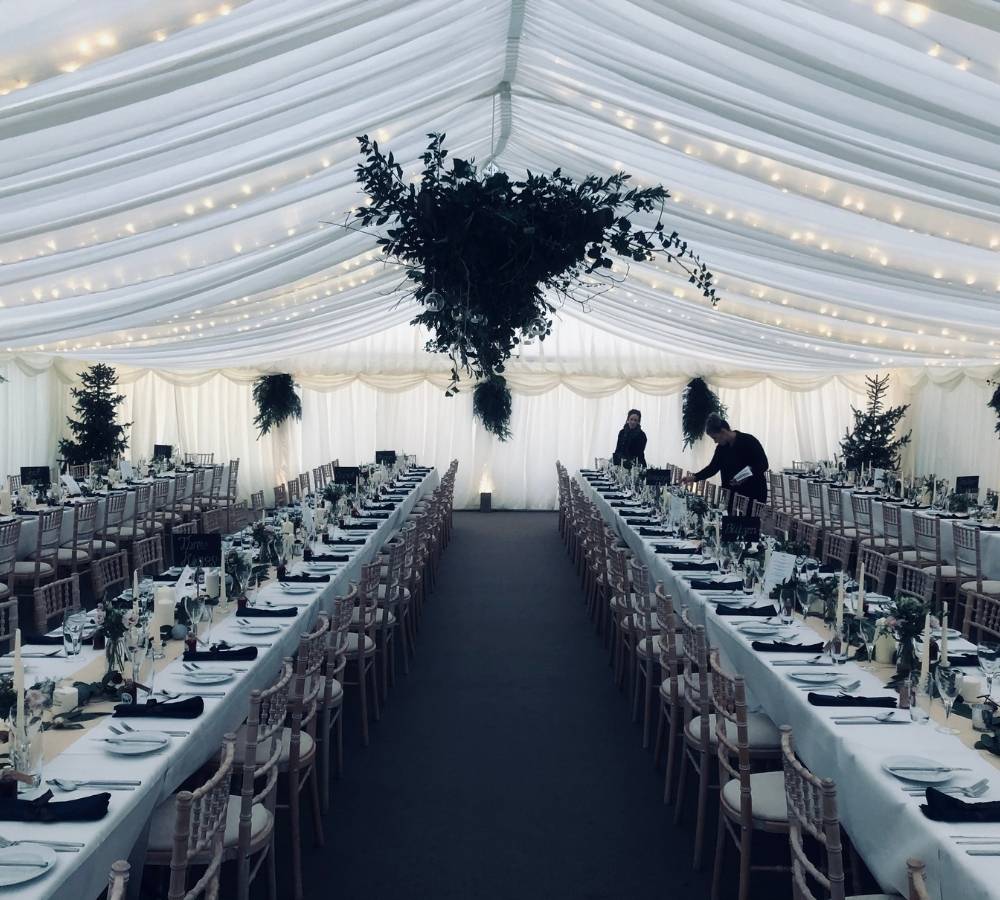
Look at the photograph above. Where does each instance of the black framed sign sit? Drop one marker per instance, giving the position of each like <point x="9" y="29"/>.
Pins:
<point x="195" y="550"/>
<point x="346" y="474"/>
<point x="37" y="475"/>
<point x="661" y="477"/>
<point x="163" y="451"/>
<point x="739" y="529"/>
<point x="385" y="457"/>
<point x="967" y="484"/>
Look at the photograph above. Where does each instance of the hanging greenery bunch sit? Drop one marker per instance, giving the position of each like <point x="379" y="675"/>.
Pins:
<point x="873" y="442"/>
<point x="994" y="404"/>
<point x="491" y="402"/>
<point x="96" y="434"/>
<point x="276" y="401"/>
<point x="699" y="402"/>
<point x="490" y="259"/>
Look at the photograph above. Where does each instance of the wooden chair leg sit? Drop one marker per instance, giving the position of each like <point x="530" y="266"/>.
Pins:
<point x="672" y="742"/>
<point x="720" y="853"/>
<point x="272" y="872"/>
<point x="647" y="712"/>
<point x="363" y="696"/>
<point x="318" y="836"/>
<point x="681" y="781"/>
<point x="296" y="834"/>
<point x="340" y="743"/>
<point x="699" y="827"/>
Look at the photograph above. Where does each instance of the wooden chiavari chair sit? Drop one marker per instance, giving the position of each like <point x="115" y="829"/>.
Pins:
<point x="319" y="482"/>
<point x="332" y="704"/>
<point x="294" y="493"/>
<point x="239" y="515"/>
<point x="891" y="542"/>
<point x="779" y="500"/>
<point x="982" y="620"/>
<point x="748" y="801"/>
<point x="915" y="582"/>
<point x="190" y="829"/>
<point x="386" y="618"/>
<point x="298" y="764"/>
<point x="211" y="521"/>
<point x="77" y="553"/>
<point x="119" y="527"/>
<point x="280" y="496"/>
<point x="741" y="505"/>
<point x="808" y="533"/>
<point x="147" y="556"/>
<point x="189" y="507"/>
<point x="725" y="497"/>
<point x="929" y="555"/>
<point x="328" y="471"/>
<point x="42" y="562"/>
<point x="817" y="510"/>
<point x="304" y="489"/>
<point x="118" y="880"/>
<point x="968" y="568"/>
<point x="361" y="650"/>
<point x="13" y="483"/>
<point x="54" y="599"/>
<point x="837" y="550"/>
<point x="257" y="501"/>
<point x="781" y="524"/>
<point x="671" y="709"/>
<point x="215" y="497"/>
<point x="199" y="459"/>
<point x="646" y="647"/>
<point x="8" y="623"/>
<point x="110" y="575"/>
<point x="10" y="533"/>
<point x="876" y="568"/>
<point x="835" y="511"/>
<point x="79" y="472"/>
<point x="864" y="522"/>
<point x="232" y="482"/>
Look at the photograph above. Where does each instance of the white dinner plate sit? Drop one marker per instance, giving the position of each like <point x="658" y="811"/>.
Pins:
<point x="758" y="629"/>
<point x="259" y="629"/>
<point x="207" y="677"/>
<point x="892" y="764"/>
<point x="815" y="677"/>
<point x="137" y="743"/>
<point x="953" y="633"/>
<point x="11" y="874"/>
<point x="299" y="588"/>
<point x="322" y="566"/>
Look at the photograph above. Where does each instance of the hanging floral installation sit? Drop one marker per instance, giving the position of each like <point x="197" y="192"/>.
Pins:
<point x="699" y="402"/>
<point x="994" y="404"/>
<point x="276" y="402"/>
<point x="490" y="259"/>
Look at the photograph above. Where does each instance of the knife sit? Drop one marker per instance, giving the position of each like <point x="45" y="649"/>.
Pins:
<point x="928" y="768"/>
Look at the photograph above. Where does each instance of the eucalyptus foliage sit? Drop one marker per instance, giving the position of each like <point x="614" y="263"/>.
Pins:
<point x="490" y="259"/>
<point x="276" y="402"/>
<point x="699" y="402"/>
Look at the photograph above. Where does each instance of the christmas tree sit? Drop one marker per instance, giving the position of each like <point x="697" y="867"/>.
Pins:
<point x="873" y="441"/>
<point x="96" y="435"/>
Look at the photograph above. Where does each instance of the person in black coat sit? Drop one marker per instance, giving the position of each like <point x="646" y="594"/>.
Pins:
<point x="631" y="447"/>
<point x="735" y="451"/>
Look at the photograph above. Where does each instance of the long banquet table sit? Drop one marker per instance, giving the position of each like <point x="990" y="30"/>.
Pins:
<point x="885" y="824"/>
<point x="990" y="539"/>
<point x="78" y="755"/>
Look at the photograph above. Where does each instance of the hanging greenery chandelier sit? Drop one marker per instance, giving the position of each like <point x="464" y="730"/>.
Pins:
<point x="491" y="259"/>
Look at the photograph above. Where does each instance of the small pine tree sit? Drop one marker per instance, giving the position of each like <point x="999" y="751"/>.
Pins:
<point x="96" y="435"/>
<point x="873" y="441"/>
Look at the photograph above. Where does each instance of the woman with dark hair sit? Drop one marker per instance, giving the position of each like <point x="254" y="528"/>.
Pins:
<point x="631" y="447"/>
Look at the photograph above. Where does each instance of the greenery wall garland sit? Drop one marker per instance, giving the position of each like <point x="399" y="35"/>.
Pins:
<point x="490" y="259"/>
<point x="699" y="402"/>
<point x="276" y="401"/>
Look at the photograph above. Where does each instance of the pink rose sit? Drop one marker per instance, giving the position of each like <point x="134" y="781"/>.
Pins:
<point x="99" y="615"/>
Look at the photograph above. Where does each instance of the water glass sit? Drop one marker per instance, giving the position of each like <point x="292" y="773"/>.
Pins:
<point x="920" y="699"/>
<point x="72" y="631"/>
<point x="989" y="662"/>
<point x="839" y="644"/>
<point x="949" y="683"/>
<point x="749" y="577"/>
<point x="868" y="631"/>
<point x="26" y="749"/>
<point x="786" y="603"/>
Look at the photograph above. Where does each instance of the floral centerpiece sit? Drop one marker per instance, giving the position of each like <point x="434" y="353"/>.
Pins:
<point x="239" y="564"/>
<point x="904" y="620"/>
<point x="113" y="621"/>
<point x="37" y="698"/>
<point x="266" y="539"/>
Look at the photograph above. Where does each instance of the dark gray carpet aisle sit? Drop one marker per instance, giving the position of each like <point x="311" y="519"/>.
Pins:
<point x="505" y="765"/>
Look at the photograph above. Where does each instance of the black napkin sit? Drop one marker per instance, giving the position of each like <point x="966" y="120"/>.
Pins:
<point x="329" y="557"/>
<point x="694" y="566"/>
<point x="374" y="514"/>
<point x="642" y="521"/>
<point x="221" y="654"/>
<point x="942" y="807"/>
<point x="828" y="700"/>
<point x="704" y="584"/>
<point x="41" y="809"/>
<point x="623" y="504"/>
<point x="303" y="579"/>
<point x="361" y="526"/>
<point x="166" y="579"/>
<point x="827" y="569"/>
<point x="264" y="612"/>
<point x="915" y="506"/>
<point x="352" y="542"/>
<point x="388" y="506"/>
<point x="989" y="527"/>
<point x="724" y="610"/>
<point x="188" y="708"/>
<point x="689" y="551"/>
<point x="51" y="640"/>
<point x="654" y="532"/>
<point x="963" y="659"/>
<point x="783" y="647"/>
<point x="892" y="500"/>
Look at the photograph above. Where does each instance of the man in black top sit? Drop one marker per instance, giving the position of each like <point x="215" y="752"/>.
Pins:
<point x="734" y="452"/>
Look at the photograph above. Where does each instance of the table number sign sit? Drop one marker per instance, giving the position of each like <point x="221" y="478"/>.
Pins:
<point x="346" y="474"/>
<point x="659" y="477"/>
<point x="40" y="476"/>
<point x="739" y="529"/>
<point x="385" y="457"/>
<point x="204" y="550"/>
<point x="967" y="484"/>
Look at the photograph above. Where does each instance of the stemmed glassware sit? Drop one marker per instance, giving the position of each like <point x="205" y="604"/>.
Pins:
<point x="194" y="606"/>
<point x="867" y="631"/>
<point x="949" y="683"/>
<point x="989" y="662"/>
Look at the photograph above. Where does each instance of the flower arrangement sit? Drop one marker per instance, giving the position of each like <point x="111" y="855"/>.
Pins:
<point x="113" y="622"/>
<point x="960" y="503"/>
<point x="266" y="539"/>
<point x="37" y="698"/>
<point x="904" y="620"/>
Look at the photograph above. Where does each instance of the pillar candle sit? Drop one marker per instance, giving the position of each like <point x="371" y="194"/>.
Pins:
<point x="222" y="577"/>
<point x="6" y="502"/>
<point x="135" y="589"/>
<point x="19" y="680"/>
<point x="925" y="652"/>
<point x="840" y="602"/>
<point x="164" y="601"/>
<point x="944" y="636"/>
<point x="861" y="591"/>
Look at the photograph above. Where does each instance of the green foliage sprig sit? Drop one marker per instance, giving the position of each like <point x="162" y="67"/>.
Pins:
<point x="491" y="403"/>
<point x="96" y="434"/>
<point x="994" y="404"/>
<point x="699" y="402"/>
<point x="276" y="401"/>
<point x="490" y="259"/>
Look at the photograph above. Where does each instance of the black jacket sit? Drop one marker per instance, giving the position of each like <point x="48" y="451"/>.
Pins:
<point x="631" y="447"/>
<point x="744" y="451"/>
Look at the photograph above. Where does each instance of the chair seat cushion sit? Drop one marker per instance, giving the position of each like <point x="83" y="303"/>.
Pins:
<point x="168" y="517"/>
<point x="161" y="828"/>
<point x="379" y="616"/>
<point x="125" y="532"/>
<point x="25" y="568"/>
<point x="909" y="556"/>
<point x="989" y="586"/>
<point x="99" y="546"/>
<point x="767" y="796"/>
<point x="336" y="693"/>
<point x="66" y="554"/>
<point x="946" y="571"/>
<point x="352" y="644"/>
<point x="762" y="733"/>
<point x="382" y="588"/>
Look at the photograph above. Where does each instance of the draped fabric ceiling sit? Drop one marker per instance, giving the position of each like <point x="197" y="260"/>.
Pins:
<point x="169" y="172"/>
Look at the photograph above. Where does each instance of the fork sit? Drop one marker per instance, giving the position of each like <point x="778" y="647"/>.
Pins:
<point x="967" y="790"/>
<point x="58" y="846"/>
<point x="128" y="730"/>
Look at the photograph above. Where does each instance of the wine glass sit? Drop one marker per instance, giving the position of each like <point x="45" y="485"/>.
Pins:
<point x="949" y="682"/>
<point x="194" y="606"/>
<point x="867" y="631"/>
<point x="989" y="662"/>
<point x="920" y="699"/>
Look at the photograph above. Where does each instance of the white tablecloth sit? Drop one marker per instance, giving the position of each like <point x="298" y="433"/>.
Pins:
<point x="80" y="876"/>
<point x="884" y="823"/>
